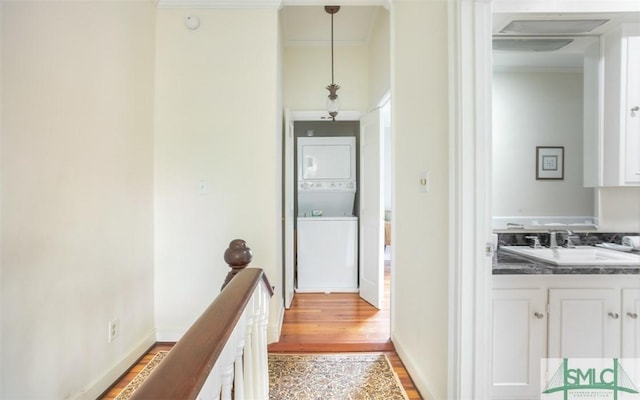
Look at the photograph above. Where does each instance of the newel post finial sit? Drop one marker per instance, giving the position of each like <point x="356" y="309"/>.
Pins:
<point x="238" y="256"/>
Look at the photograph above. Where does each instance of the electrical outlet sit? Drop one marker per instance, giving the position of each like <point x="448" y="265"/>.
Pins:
<point x="114" y="329"/>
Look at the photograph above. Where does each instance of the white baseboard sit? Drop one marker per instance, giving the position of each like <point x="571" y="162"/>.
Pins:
<point x="97" y="387"/>
<point x="328" y="290"/>
<point x="274" y="329"/>
<point x="422" y="384"/>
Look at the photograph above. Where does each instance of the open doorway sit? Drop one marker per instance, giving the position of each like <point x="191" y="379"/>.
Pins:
<point x="335" y="317"/>
<point x="362" y="70"/>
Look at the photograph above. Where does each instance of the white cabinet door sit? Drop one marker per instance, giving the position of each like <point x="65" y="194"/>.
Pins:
<point x="632" y="112"/>
<point x="519" y="342"/>
<point x="584" y="323"/>
<point x="621" y="107"/>
<point x="630" y="323"/>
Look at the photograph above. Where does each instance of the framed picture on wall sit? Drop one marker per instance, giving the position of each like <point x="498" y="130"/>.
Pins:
<point x="549" y="162"/>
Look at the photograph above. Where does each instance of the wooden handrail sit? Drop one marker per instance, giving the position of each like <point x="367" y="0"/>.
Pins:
<point x="183" y="372"/>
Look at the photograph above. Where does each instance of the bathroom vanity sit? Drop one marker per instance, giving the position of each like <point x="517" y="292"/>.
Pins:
<point x="542" y="310"/>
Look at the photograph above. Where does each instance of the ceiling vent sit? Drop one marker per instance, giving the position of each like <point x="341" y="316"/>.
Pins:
<point x="552" y="27"/>
<point x="530" y="44"/>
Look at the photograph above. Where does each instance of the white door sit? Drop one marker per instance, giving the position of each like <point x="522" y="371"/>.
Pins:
<point x="288" y="212"/>
<point x="519" y="333"/>
<point x="371" y="209"/>
<point x="584" y="323"/>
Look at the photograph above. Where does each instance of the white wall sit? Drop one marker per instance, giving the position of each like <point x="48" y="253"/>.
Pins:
<point x="216" y="121"/>
<point x="77" y="206"/>
<point x="379" y="58"/>
<point x="307" y="71"/>
<point x="538" y="108"/>
<point x="420" y="220"/>
<point x="388" y="177"/>
<point x="619" y="209"/>
<point x="379" y="65"/>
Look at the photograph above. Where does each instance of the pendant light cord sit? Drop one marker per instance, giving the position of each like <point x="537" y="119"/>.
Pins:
<point x="332" y="102"/>
<point x="331" y="48"/>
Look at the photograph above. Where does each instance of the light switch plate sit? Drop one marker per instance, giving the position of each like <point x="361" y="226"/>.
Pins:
<point x="203" y="187"/>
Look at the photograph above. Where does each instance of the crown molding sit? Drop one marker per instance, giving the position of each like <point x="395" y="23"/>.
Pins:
<point x="262" y="4"/>
<point x="265" y="4"/>
<point x="384" y="3"/>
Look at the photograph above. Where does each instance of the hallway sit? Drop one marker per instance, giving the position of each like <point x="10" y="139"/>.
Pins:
<point x="341" y="322"/>
<point x="318" y="322"/>
<point x="336" y="322"/>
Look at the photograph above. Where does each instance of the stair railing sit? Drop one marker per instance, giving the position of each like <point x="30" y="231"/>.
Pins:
<point x="224" y="353"/>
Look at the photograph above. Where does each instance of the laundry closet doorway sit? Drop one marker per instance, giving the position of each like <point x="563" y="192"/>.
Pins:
<point x="368" y="204"/>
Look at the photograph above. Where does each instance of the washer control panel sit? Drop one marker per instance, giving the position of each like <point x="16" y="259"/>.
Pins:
<point x="327" y="186"/>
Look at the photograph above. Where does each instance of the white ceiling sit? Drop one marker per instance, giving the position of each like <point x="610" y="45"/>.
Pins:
<point x="311" y="25"/>
<point x="570" y="56"/>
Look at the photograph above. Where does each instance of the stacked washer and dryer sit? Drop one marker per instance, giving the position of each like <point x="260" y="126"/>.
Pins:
<point x="327" y="230"/>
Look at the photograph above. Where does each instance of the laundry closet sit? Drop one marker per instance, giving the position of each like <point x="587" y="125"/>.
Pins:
<point x="326" y="177"/>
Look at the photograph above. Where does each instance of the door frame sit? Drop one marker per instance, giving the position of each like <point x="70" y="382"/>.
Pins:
<point x="289" y="185"/>
<point x="470" y="61"/>
<point x="470" y="67"/>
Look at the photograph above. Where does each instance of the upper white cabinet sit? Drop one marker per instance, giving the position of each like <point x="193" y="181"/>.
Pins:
<point x="621" y="107"/>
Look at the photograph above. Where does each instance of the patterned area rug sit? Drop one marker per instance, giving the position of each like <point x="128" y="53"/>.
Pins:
<point x="142" y="375"/>
<point x="333" y="376"/>
<point x="357" y="376"/>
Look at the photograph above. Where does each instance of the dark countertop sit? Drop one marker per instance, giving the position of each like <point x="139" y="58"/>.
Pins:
<point x="505" y="263"/>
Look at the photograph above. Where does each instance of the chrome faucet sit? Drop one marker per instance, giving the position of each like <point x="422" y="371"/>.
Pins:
<point x="569" y="243"/>
<point x="536" y="241"/>
<point x="553" y="239"/>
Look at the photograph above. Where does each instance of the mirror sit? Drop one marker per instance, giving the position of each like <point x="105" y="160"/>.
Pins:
<point x="538" y="107"/>
<point x="547" y="84"/>
<point x="539" y="87"/>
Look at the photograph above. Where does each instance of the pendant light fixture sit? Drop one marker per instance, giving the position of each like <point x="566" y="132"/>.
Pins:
<point x="333" y="105"/>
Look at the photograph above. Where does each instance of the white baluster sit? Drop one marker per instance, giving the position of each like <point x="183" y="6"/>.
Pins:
<point x="238" y="333"/>
<point x="264" y="321"/>
<point x="211" y="388"/>
<point x="249" y="383"/>
<point x="221" y="375"/>
<point x="257" y="350"/>
<point x="242" y="367"/>
<point x="227" y="380"/>
<point x="258" y="346"/>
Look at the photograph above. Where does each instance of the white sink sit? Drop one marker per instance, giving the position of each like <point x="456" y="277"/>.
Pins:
<point x="580" y="255"/>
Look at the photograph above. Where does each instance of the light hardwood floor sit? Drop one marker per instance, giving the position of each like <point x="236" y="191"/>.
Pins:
<point x="341" y="322"/>
<point x="336" y="320"/>
<point x="131" y="373"/>
<point x="324" y="323"/>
